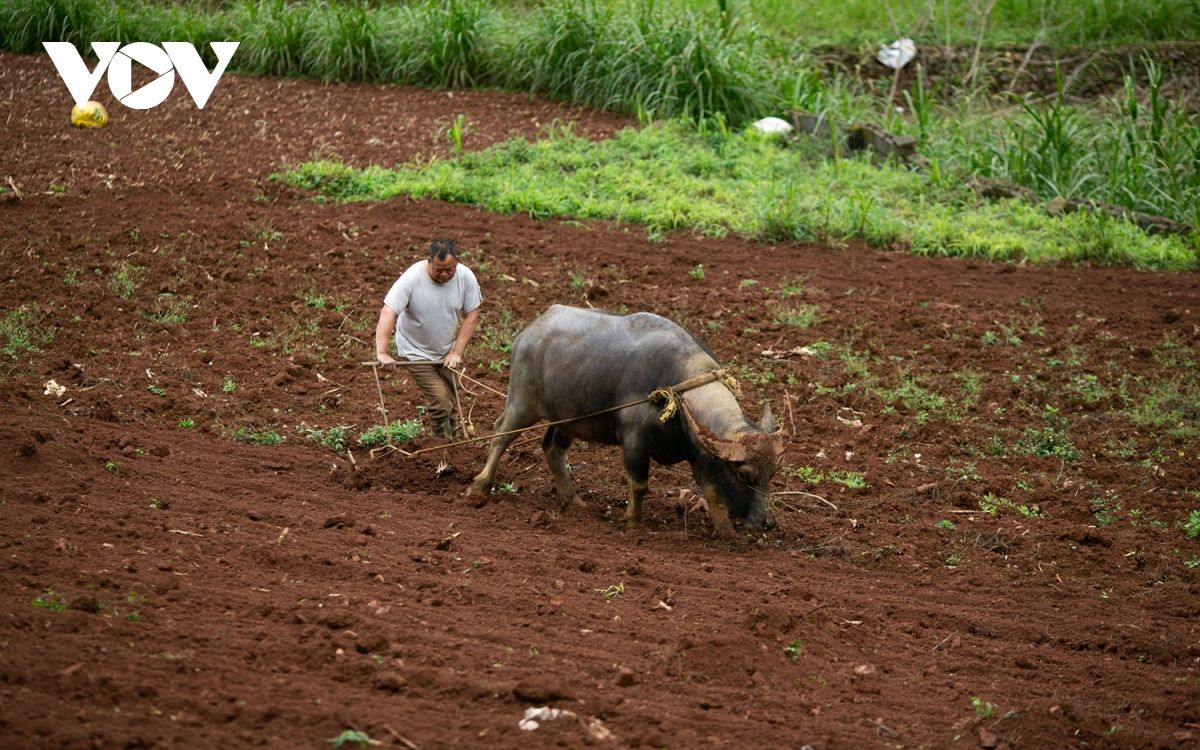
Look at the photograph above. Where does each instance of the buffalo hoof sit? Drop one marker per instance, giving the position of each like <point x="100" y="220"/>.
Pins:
<point x="577" y="506"/>
<point x="477" y="493"/>
<point x="724" y="534"/>
<point x="633" y="524"/>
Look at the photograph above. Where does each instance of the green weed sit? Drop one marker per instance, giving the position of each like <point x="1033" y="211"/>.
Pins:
<point x="228" y="386"/>
<point x="854" y="480"/>
<point x="333" y="438"/>
<point x="1191" y="524"/>
<point x="983" y="709"/>
<point x="803" y="316"/>
<point x="350" y="737"/>
<point x="51" y="600"/>
<point x="169" y="309"/>
<point x="124" y="279"/>
<point x="266" y="437"/>
<point x="400" y="430"/>
<point x="806" y="474"/>
<point x="1049" y="441"/>
<point x="23" y="331"/>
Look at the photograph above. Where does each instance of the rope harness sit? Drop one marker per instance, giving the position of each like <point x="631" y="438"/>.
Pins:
<point x="668" y="397"/>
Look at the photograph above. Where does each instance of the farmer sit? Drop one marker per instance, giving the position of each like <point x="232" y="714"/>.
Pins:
<point x="422" y="310"/>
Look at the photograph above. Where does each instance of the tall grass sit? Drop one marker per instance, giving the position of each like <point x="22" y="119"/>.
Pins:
<point x="639" y="60"/>
<point x="958" y="21"/>
<point x="718" y="181"/>
<point x="1137" y="150"/>
<point x="642" y="60"/>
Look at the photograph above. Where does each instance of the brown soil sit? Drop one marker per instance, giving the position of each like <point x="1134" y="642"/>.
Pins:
<point x="283" y="594"/>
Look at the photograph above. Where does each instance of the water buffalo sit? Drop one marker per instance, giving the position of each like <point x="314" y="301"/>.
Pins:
<point x="572" y="362"/>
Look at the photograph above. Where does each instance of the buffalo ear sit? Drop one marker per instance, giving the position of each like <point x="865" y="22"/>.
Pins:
<point x="768" y="420"/>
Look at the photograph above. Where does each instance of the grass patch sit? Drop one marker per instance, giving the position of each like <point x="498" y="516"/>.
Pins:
<point x="922" y="402"/>
<point x="1048" y="441"/>
<point x="23" y="332"/>
<point x="333" y="438"/>
<point x="266" y="437"/>
<point x="400" y="430"/>
<point x="169" y="309"/>
<point x="124" y="279"/>
<point x="678" y="177"/>
<point x="1170" y="405"/>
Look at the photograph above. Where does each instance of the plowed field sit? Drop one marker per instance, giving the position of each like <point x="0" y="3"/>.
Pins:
<point x="983" y="513"/>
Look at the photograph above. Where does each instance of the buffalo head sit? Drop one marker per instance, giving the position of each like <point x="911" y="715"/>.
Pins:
<point x="737" y="472"/>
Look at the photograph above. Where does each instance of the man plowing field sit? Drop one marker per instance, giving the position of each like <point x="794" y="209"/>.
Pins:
<point x="422" y="311"/>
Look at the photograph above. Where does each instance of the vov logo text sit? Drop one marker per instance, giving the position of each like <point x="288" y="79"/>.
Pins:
<point x="166" y="60"/>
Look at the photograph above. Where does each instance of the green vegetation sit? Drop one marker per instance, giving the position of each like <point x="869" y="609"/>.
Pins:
<point x="1191" y="525"/>
<point x="1136" y="150"/>
<point x="228" y="386"/>
<point x="51" y="600"/>
<point x="922" y="402"/>
<point x="400" y="430"/>
<point x="854" y="480"/>
<point x="719" y="70"/>
<point x="983" y="709"/>
<point x="674" y="176"/>
<point x="124" y="279"/>
<point x="945" y="524"/>
<point x="350" y="737"/>
<point x="1049" y="441"/>
<point x="960" y="22"/>
<point x="802" y="316"/>
<point x="333" y="438"/>
<point x="266" y="437"/>
<point x="23" y="332"/>
<point x="187" y="424"/>
<point x="169" y="309"/>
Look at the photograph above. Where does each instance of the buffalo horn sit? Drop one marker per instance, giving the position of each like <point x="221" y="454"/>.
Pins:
<point x="726" y="450"/>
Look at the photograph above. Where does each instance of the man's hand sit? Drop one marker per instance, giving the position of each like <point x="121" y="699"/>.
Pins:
<point x="384" y="331"/>
<point x="453" y="361"/>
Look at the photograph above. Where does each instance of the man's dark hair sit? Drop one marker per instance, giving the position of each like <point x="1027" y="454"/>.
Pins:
<point x="440" y="248"/>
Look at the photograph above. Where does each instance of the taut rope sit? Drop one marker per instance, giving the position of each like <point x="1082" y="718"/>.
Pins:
<point x="669" y="397"/>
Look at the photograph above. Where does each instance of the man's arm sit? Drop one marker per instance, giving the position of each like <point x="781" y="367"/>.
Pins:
<point x="383" y="333"/>
<point x="454" y="358"/>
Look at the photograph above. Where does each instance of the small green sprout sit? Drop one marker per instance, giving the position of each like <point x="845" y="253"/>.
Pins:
<point x="351" y="737"/>
<point x="946" y="524"/>
<point x="794" y="649"/>
<point x="983" y="709"/>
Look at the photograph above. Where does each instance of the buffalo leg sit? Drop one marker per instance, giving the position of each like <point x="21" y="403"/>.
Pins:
<point x="554" y="448"/>
<point x="637" y="471"/>
<point x="507" y="421"/>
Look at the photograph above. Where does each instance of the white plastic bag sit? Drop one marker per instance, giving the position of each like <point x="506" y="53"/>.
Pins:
<point x="897" y="54"/>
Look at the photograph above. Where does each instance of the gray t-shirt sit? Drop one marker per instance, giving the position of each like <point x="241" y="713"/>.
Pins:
<point x="428" y="312"/>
